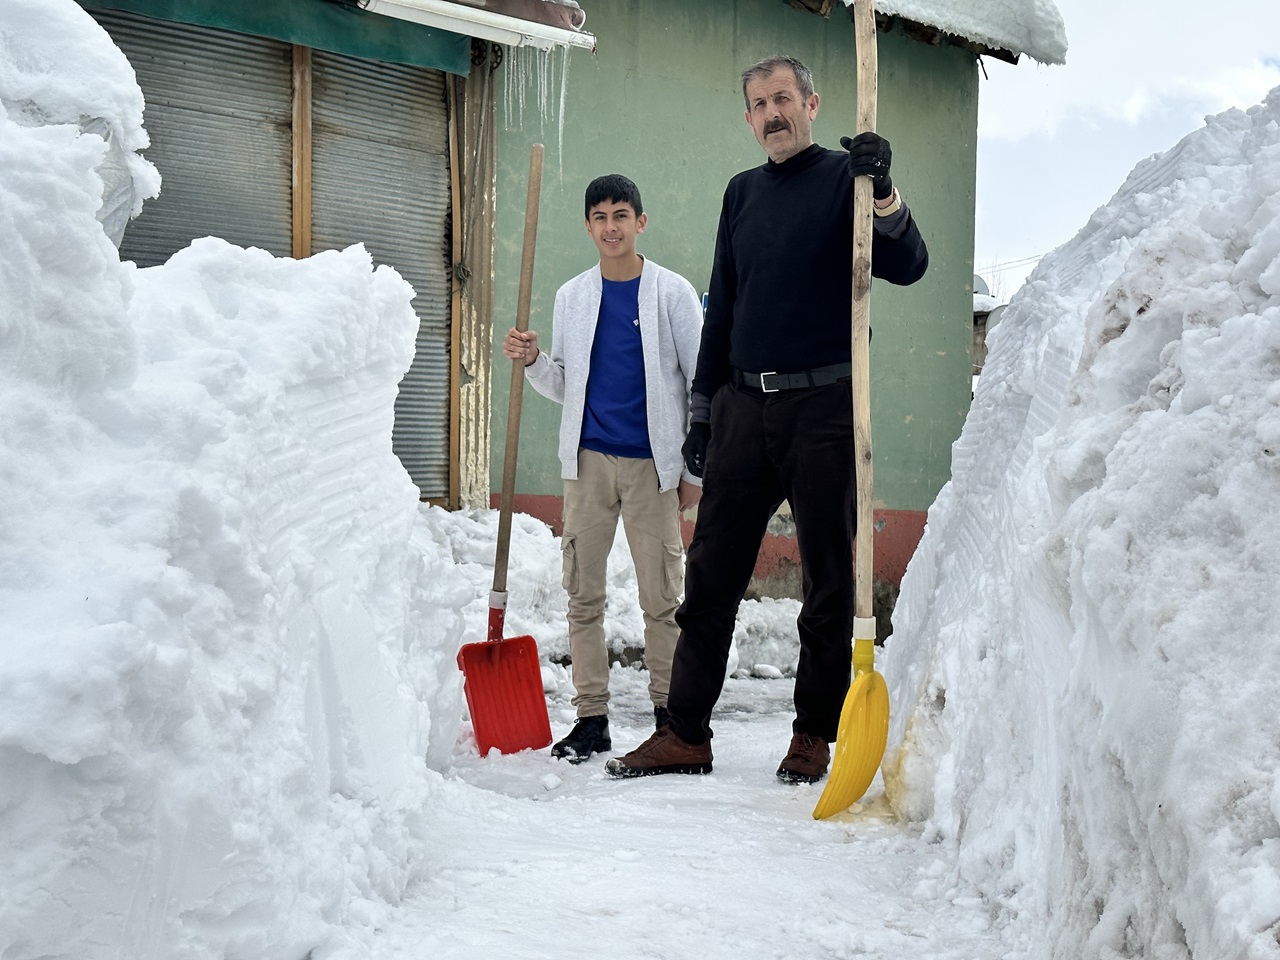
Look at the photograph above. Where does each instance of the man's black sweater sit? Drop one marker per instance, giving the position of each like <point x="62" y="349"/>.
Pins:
<point x="781" y="284"/>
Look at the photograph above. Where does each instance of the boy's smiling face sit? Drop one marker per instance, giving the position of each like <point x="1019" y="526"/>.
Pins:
<point x="613" y="227"/>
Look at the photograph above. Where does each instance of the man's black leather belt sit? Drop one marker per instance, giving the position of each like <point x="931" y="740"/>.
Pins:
<point x="800" y="380"/>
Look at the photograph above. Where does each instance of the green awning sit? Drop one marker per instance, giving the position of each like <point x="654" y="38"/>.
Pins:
<point x="322" y="24"/>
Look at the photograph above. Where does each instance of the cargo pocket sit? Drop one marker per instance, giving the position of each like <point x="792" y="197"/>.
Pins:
<point x="569" y="555"/>
<point x="673" y="570"/>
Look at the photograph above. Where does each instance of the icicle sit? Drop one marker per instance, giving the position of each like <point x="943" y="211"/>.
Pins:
<point x="564" y="89"/>
<point x="522" y="81"/>
<point x="540" y="77"/>
<point x="508" y="91"/>
<point x="529" y="67"/>
<point x="545" y="69"/>
<point x="509" y="84"/>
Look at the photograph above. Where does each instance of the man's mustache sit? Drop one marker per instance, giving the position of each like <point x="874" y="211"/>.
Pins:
<point x="773" y="126"/>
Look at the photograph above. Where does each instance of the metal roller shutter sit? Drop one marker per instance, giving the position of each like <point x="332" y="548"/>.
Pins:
<point x="218" y="113"/>
<point x="380" y="176"/>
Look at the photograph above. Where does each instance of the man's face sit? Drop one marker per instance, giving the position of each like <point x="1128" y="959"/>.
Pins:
<point x="614" y="227"/>
<point x="779" y="116"/>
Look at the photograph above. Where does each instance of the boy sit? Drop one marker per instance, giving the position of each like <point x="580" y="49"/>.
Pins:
<point x="624" y="347"/>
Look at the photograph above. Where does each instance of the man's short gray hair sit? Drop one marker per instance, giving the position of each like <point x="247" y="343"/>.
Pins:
<point x="804" y="79"/>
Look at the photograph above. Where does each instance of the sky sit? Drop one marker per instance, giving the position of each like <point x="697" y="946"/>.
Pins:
<point x="231" y="721"/>
<point x="1054" y="142"/>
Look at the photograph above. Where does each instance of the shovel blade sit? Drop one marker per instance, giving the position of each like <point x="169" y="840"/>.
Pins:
<point x="860" y="742"/>
<point x="503" y="683"/>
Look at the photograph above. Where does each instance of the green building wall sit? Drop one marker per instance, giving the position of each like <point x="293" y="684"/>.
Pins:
<point x="661" y="102"/>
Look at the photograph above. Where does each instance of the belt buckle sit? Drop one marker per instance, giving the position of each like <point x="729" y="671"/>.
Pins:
<point x="763" y="388"/>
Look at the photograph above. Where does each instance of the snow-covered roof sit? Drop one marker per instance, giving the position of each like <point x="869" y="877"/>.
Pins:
<point x="1025" y="27"/>
<point x="985" y="303"/>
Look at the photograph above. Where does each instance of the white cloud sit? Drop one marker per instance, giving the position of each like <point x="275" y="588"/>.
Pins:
<point x="1055" y="142"/>
<point x="1124" y="64"/>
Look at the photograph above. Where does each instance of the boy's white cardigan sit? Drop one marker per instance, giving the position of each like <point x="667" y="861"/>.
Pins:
<point x="670" y="331"/>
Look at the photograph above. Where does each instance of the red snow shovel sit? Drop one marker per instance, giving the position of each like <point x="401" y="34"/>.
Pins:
<point x="503" y="678"/>
<point x="864" y="719"/>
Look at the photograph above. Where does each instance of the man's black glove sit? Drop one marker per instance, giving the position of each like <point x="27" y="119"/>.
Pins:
<point x="694" y="449"/>
<point x="869" y="156"/>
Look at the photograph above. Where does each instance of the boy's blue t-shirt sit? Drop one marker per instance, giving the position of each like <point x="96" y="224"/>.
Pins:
<point x="615" y="421"/>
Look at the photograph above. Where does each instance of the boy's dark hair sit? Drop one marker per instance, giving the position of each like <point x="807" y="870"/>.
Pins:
<point x="612" y="188"/>
<point x="766" y="67"/>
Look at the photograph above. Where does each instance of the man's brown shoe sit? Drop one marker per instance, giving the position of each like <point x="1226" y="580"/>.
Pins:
<point x="663" y="752"/>
<point x="806" y="760"/>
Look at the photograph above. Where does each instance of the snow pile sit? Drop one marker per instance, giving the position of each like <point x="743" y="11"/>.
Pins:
<point x="55" y="70"/>
<point x="228" y="628"/>
<point x="1086" y="650"/>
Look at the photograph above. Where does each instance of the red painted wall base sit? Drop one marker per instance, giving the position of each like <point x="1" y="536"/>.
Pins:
<point x="777" y="573"/>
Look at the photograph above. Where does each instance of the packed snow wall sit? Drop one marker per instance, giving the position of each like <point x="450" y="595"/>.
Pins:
<point x="1085" y="664"/>
<point x="226" y="666"/>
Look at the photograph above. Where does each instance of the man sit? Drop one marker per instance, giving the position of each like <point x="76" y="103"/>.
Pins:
<point x="624" y="346"/>
<point x="772" y="415"/>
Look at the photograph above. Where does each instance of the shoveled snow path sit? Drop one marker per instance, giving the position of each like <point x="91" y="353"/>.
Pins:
<point x="538" y="858"/>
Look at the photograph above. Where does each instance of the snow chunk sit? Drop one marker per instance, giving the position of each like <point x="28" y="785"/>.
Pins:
<point x="58" y="67"/>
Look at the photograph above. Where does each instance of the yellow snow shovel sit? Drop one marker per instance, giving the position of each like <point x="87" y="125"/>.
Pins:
<point x="864" y="719"/>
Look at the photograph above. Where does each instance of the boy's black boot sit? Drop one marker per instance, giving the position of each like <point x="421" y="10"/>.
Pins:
<point x="589" y="735"/>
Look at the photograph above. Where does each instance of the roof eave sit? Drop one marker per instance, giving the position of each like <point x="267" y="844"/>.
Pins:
<point x="923" y="33"/>
<point x="934" y="37"/>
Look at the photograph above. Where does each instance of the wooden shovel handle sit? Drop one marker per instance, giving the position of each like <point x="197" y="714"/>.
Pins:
<point x="516" y="395"/>
<point x="864" y="20"/>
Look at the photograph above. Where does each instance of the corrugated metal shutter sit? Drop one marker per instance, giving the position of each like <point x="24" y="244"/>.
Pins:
<point x="219" y="110"/>
<point x="380" y="176"/>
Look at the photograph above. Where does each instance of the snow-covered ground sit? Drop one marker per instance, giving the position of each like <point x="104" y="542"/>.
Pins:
<point x="550" y="860"/>
<point x="230" y="720"/>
